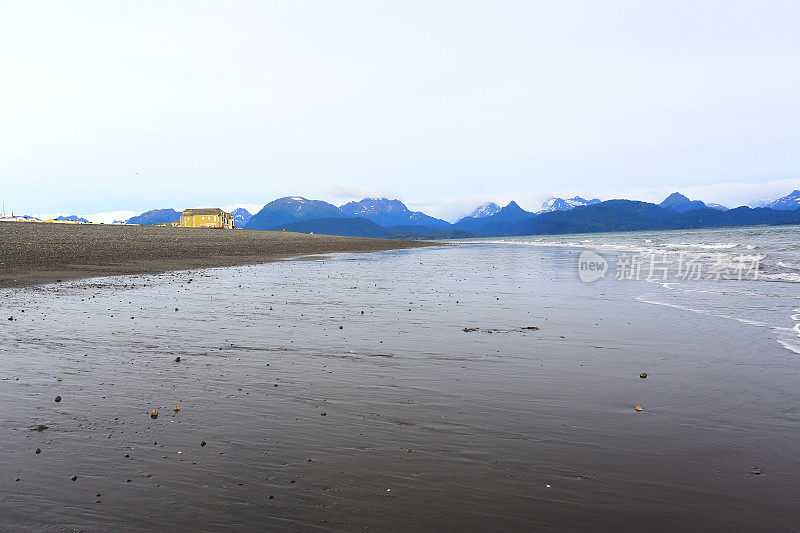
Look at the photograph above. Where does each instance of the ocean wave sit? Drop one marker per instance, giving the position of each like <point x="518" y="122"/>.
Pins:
<point x="703" y="245"/>
<point x="790" y="344"/>
<point x="790" y="277"/>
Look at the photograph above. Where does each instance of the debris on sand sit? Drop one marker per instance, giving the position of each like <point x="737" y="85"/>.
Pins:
<point x="154" y="414"/>
<point x="59" y="379"/>
<point x="469" y="330"/>
<point x="38" y="450"/>
<point x="40" y="427"/>
<point x="177" y="359"/>
<point x="532" y="328"/>
<point x="639" y="408"/>
<point x="176" y="408"/>
<point x="643" y="375"/>
<point x="202" y="443"/>
<point x="74" y="477"/>
<point x="58" y="399"/>
<point x="323" y="413"/>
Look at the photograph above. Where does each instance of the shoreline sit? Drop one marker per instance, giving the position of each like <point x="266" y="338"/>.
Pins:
<point x="347" y="394"/>
<point x="34" y="254"/>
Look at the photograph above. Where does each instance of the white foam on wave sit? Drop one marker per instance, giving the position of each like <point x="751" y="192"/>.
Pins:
<point x="792" y="277"/>
<point x="703" y="245"/>
<point x="790" y="345"/>
<point x="646" y="246"/>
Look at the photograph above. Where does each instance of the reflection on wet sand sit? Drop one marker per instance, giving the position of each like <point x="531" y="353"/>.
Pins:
<point x="425" y="426"/>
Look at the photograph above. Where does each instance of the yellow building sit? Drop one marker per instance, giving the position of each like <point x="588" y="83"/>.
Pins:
<point x="206" y="218"/>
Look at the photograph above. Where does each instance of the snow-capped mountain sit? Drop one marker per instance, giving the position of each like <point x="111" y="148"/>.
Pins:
<point x="790" y="201"/>
<point x="482" y="211"/>
<point x="241" y="216"/>
<point x="291" y="209"/>
<point x="560" y="204"/>
<point x="385" y="212"/>
<point x="510" y="213"/>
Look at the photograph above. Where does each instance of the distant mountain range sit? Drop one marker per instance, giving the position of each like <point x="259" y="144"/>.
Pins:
<point x="790" y="201"/>
<point x="156" y="216"/>
<point x="495" y="223"/>
<point x="73" y="218"/>
<point x="362" y="227"/>
<point x="559" y="204"/>
<point x="483" y="211"/>
<point x="385" y="212"/>
<point x="291" y="209"/>
<point x="385" y="218"/>
<point x="241" y="217"/>
<point x="681" y="204"/>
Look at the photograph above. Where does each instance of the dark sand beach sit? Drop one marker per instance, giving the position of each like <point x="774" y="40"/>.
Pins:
<point x="38" y="253"/>
<point x="479" y="387"/>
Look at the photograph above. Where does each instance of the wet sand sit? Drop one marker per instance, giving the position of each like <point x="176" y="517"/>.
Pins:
<point x="345" y="394"/>
<point x="39" y="253"/>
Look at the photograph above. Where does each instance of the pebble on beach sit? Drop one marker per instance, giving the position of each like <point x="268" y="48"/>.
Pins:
<point x="154" y="414"/>
<point x="643" y="375"/>
<point x="58" y="398"/>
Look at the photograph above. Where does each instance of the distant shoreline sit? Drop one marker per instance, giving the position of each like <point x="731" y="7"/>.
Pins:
<point x="32" y="254"/>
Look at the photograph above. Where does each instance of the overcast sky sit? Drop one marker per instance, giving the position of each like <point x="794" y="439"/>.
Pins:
<point x="108" y="106"/>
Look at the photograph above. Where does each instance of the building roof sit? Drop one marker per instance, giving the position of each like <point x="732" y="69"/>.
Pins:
<point x="204" y="211"/>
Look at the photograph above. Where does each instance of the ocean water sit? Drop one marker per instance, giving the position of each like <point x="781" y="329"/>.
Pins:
<point x="481" y="386"/>
<point x="763" y="293"/>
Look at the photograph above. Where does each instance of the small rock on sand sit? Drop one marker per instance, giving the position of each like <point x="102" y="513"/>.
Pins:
<point x="639" y="408"/>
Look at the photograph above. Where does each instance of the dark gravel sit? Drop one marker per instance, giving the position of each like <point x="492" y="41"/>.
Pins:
<point x="32" y="253"/>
